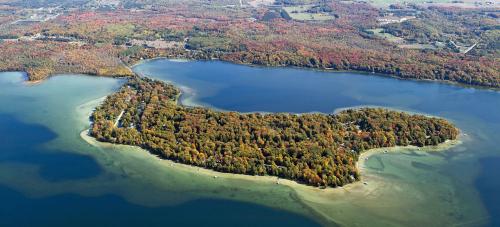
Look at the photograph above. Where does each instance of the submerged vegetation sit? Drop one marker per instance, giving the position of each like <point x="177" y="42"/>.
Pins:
<point x="315" y="149"/>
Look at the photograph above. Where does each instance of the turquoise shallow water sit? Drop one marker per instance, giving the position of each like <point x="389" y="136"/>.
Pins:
<point x="49" y="174"/>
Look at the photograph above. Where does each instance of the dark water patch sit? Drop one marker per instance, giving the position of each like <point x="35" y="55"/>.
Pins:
<point x="376" y="163"/>
<point x="237" y="88"/>
<point x="74" y="210"/>
<point x="19" y="135"/>
<point x="488" y="184"/>
<point x="22" y="142"/>
<point x="420" y="165"/>
<point x="70" y="166"/>
<point x="414" y="154"/>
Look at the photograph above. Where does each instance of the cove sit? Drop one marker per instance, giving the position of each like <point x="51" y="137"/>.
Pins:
<point x="404" y="188"/>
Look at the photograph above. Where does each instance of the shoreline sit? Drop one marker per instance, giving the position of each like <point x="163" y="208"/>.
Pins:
<point x="32" y="82"/>
<point x="365" y="155"/>
<point x="187" y="98"/>
<point x="193" y="169"/>
<point x="314" y="199"/>
<point x="326" y="70"/>
<point x="360" y="164"/>
<point x="87" y="108"/>
<point x="220" y="178"/>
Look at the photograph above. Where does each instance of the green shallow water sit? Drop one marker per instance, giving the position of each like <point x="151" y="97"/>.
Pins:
<point x="50" y="176"/>
<point x="53" y="168"/>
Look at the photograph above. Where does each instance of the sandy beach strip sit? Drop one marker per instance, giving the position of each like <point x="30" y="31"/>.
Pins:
<point x="273" y="179"/>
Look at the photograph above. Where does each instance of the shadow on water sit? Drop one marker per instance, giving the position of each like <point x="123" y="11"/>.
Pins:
<point x="487" y="184"/>
<point x="23" y="142"/>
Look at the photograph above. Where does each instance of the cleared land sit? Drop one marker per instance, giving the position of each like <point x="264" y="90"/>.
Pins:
<point x="301" y="13"/>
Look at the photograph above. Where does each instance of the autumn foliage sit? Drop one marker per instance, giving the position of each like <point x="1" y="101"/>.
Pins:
<point x="315" y="149"/>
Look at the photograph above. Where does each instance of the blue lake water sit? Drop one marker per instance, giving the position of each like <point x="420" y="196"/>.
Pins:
<point x="50" y="176"/>
<point x="39" y="129"/>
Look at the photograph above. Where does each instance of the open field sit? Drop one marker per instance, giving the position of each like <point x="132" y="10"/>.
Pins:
<point x="389" y="37"/>
<point x="301" y="13"/>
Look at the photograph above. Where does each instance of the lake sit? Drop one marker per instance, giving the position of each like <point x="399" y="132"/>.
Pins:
<point x="49" y="175"/>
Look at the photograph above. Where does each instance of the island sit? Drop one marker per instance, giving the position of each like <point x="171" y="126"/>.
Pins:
<point x="314" y="149"/>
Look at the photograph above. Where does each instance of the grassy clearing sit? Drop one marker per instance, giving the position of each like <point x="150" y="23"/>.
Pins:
<point x="379" y="32"/>
<point x="300" y="13"/>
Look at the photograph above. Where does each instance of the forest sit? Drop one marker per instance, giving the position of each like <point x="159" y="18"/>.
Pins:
<point x="314" y="149"/>
<point x="40" y="59"/>
<point x="201" y="29"/>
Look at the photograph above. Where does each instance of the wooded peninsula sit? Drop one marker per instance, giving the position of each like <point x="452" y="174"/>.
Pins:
<point x="315" y="149"/>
